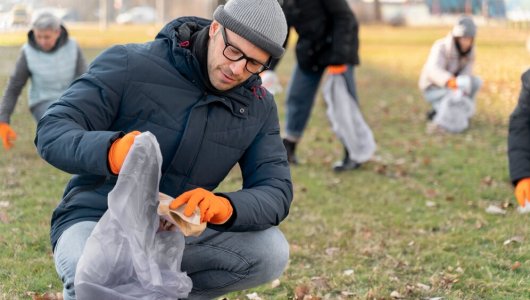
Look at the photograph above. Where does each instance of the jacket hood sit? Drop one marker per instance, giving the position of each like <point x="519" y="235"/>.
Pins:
<point x="63" y="38"/>
<point x="181" y="29"/>
<point x="178" y="34"/>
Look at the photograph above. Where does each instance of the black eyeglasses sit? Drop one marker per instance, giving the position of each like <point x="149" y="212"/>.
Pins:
<point x="234" y="54"/>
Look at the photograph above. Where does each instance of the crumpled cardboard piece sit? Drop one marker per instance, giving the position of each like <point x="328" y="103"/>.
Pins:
<point x="189" y="226"/>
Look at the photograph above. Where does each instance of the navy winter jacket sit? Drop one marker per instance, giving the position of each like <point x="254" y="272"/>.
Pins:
<point x="158" y="87"/>
<point x="328" y="32"/>
<point x="519" y="134"/>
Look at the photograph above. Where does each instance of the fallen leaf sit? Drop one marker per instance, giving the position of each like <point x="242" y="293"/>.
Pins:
<point x="253" y="296"/>
<point x="347" y="294"/>
<point x="431" y="193"/>
<point x="506" y="204"/>
<point x="495" y="210"/>
<point x="301" y="291"/>
<point x="487" y="181"/>
<point x="380" y="169"/>
<point x="430" y="204"/>
<point x="294" y="248"/>
<point x="4" y="218"/>
<point x="48" y="296"/>
<point x="320" y="283"/>
<point x="423" y="286"/>
<point x="516" y="265"/>
<point x="514" y="239"/>
<point x="275" y="283"/>
<point x="331" y="251"/>
<point x="396" y="295"/>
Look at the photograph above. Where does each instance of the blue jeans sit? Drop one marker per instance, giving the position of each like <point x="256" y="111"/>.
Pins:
<point x="301" y="93"/>
<point x="216" y="262"/>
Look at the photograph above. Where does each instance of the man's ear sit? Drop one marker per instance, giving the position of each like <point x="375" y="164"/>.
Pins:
<point x="214" y="27"/>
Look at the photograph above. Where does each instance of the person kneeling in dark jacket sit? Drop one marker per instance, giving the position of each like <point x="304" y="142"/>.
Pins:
<point x="196" y="87"/>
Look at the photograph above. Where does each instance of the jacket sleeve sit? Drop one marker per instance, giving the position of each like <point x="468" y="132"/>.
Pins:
<point x="345" y="31"/>
<point x="14" y="87"/>
<point x="267" y="190"/>
<point x="73" y="134"/>
<point x="435" y="65"/>
<point x="519" y="134"/>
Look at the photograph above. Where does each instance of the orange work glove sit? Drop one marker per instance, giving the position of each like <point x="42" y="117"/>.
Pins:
<point x="119" y="149"/>
<point x="522" y="191"/>
<point x="8" y="135"/>
<point x="337" y="69"/>
<point x="451" y="83"/>
<point x="214" y="209"/>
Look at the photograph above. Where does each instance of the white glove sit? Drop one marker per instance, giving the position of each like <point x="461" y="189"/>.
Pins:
<point x="463" y="82"/>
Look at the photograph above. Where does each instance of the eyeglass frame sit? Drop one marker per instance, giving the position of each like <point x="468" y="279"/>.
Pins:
<point x="243" y="55"/>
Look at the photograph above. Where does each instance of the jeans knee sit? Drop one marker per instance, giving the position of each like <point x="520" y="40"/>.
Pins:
<point x="275" y="256"/>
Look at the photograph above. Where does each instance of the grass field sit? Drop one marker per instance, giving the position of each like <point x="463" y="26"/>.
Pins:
<point x="411" y="223"/>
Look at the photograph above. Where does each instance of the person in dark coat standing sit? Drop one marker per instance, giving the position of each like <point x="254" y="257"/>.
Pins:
<point x="519" y="144"/>
<point x="196" y="87"/>
<point x="52" y="60"/>
<point x="327" y="37"/>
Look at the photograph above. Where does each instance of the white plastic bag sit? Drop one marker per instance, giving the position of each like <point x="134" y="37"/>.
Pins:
<point x="125" y="257"/>
<point x="454" y="111"/>
<point x="271" y="82"/>
<point x="347" y="120"/>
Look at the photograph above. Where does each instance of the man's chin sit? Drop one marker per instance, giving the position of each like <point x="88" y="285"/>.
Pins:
<point x="224" y="85"/>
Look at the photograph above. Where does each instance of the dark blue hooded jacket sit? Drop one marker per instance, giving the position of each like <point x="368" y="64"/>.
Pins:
<point x="159" y="87"/>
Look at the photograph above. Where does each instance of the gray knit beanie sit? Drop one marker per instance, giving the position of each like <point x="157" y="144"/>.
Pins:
<point x="465" y="27"/>
<point x="260" y="22"/>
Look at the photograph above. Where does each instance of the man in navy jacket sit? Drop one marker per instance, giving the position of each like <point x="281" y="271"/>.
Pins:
<point x="196" y="88"/>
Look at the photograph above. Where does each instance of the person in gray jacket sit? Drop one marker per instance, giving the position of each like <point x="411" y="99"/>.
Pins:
<point x="450" y="57"/>
<point x="196" y="87"/>
<point x="52" y="60"/>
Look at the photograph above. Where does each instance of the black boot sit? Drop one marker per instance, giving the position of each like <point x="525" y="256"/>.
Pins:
<point x="346" y="164"/>
<point x="290" y="147"/>
<point x="430" y="115"/>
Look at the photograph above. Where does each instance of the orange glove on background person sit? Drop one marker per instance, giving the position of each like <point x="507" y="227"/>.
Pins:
<point x="214" y="209"/>
<point x="119" y="149"/>
<point x="8" y="135"/>
<point x="336" y="69"/>
<point x="522" y="191"/>
<point x="451" y="83"/>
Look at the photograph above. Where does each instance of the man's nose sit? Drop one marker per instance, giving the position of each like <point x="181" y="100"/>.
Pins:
<point x="238" y="67"/>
